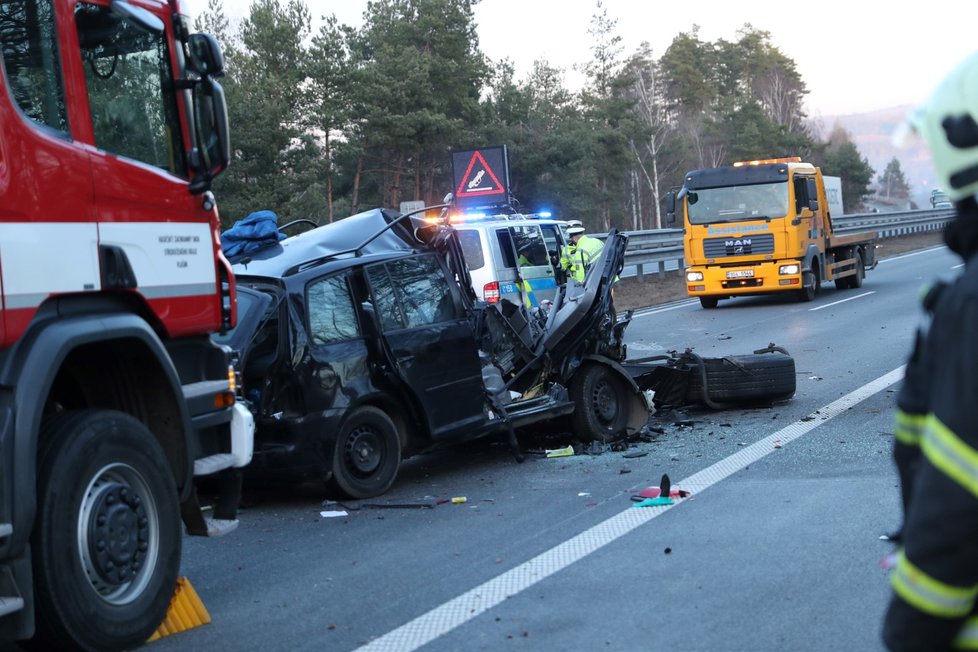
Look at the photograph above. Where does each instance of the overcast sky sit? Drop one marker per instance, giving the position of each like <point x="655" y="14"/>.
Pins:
<point x="854" y="55"/>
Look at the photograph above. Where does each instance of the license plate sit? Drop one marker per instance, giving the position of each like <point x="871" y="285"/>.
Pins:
<point x="741" y="273"/>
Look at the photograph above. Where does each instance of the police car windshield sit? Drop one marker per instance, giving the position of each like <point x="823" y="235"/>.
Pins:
<point x="737" y="203"/>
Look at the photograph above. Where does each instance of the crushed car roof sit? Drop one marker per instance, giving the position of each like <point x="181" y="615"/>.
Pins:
<point x="344" y="238"/>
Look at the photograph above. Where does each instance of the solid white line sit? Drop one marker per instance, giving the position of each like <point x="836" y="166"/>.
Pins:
<point x="456" y="612"/>
<point x="912" y="253"/>
<point x="666" y="308"/>
<point x="835" y="303"/>
<point x="957" y="266"/>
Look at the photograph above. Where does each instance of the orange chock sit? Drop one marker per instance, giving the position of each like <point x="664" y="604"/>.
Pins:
<point x="186" y="611"/>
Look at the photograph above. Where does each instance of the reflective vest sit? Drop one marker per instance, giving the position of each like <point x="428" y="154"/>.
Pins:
<point x="583" y="256"/>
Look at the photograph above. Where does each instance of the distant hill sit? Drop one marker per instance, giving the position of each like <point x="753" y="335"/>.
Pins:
<point x="873" y="134"/>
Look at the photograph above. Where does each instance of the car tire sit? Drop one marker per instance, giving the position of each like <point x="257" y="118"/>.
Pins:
<point x="105" y="493"/>
<point x="709" y="303"/>
<point x="601" y="412"/>
<point x="366" y="455"/>
<point x="744" y="379"/>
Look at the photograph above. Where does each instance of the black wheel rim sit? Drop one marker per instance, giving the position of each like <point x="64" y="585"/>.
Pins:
<point x="604" y="403"/>
<point x="364" y="451"/>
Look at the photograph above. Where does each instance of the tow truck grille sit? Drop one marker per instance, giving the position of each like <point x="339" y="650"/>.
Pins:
<point x="739" y="246"/>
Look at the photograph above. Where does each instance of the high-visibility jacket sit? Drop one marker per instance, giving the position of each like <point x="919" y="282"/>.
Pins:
<point x="935" y="580"/>
<point x="585" y="253"/>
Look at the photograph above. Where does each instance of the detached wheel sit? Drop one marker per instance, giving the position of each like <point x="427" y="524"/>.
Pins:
<point x="744" y="379"/>
<point x="709" y="303"/>
<point x="107" y="533"/>
<point x="601" y="411"/>
<point x="366" y="456"/>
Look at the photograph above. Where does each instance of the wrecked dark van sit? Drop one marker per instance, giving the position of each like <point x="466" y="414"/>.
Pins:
<point x="361" y="342"/>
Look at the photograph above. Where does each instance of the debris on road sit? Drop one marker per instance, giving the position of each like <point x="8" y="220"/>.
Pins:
<point x="566" y="451"/>
<point x="654" y="502"/>
<point x="333" y="514"/>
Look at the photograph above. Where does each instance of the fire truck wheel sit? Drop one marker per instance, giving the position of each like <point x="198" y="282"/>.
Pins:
<point x="366" y="456"/>
<point x="602" y="409"/>
<point x="106" y="541"/>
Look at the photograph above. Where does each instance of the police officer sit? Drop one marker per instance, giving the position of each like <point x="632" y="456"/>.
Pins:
<point x="935" y="579"/>
<point x="585" y="251"/>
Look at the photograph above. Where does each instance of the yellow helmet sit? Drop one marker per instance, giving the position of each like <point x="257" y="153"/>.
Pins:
<point x="947" y="121"/>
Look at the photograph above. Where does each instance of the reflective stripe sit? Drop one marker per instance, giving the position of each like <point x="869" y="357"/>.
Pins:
<point x="930" y="595"/>
<point x="909" y="427"/>
<point x="950" y="454"/>
<point x="968" y="636"/>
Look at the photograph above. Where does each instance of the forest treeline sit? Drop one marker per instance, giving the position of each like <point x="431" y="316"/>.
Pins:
<point x="328" y="123"/>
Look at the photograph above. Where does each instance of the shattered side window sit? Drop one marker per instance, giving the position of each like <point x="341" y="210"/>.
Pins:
<point x="423" y="289"/>
<point x="331" y="314"/>
<point x="471" y="241"/>
<point x="385" y="300"/>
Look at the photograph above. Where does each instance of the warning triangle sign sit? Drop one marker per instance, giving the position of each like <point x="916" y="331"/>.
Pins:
<point x="479" y="179"/>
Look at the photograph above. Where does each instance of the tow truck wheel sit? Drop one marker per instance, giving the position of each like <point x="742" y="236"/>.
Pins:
<point x="808" y="292"/>
<point x="366" y="456"/>
<point x="106" y="541"/>
<point x="709" y="303"/>
<point x="602" y="410"/>
<point x="856" y="280"/>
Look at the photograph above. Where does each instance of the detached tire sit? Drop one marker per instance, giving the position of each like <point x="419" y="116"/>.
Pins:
<point x="601" y="412"/>
<point x="107" y="538"/>
<point x="744" y="379"/>
<point x="366" y="456"/>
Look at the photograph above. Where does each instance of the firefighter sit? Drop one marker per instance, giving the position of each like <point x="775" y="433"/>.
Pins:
<point x="935" y="579"/>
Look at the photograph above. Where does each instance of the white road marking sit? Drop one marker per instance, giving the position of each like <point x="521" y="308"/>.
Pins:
<point x="912" y="253"/>
<point x="456" y="612"/>
<point x="666" y="308"/>
<point x="835" y="303"/>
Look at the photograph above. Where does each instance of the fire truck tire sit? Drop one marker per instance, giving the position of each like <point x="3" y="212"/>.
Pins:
<point x="601" y="412"/>
<point x="366" y="456"/>
<point x="709" y="303"/>
<point x="744" y="379"/>
<point x="107" y="538"/>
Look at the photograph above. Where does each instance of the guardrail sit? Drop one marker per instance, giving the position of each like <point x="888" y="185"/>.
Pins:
<point x="662" y="246"/>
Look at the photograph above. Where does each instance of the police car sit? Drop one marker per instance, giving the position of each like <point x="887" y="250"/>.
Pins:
<point x="513" y="256"/>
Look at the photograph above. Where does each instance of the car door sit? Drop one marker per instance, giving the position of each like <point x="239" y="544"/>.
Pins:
<point x="523" y="249"/>
<point x="430" y="341"/>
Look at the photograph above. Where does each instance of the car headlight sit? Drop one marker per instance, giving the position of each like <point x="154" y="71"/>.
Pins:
<point x="692" y="277"/>
<point x="789" y="269"/>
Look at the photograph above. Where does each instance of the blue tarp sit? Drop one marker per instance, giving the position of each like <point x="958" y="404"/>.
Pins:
<point x="255" y="232"/>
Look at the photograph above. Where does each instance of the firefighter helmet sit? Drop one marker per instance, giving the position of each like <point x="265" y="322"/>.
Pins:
<point x="947" y="121"/>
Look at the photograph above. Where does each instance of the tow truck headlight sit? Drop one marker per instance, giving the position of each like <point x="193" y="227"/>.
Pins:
<point x="692" y="277"/>
<point x="789" y="269"/>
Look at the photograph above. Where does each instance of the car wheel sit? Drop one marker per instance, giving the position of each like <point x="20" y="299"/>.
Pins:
<point x="367" y="454"/>
<point x="744" y="379"/>
<point x="106" y="541"/>
<point x="709" y="303"/>
<point x="601" y="411"/>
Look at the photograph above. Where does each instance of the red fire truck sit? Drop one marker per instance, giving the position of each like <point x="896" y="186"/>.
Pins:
<point x="113" y="398"/>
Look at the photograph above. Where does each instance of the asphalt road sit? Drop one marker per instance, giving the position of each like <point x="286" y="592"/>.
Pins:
<point x="777" y="548"/>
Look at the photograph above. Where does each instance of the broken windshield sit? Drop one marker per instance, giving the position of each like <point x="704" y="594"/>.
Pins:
<point x="737" y="203"/>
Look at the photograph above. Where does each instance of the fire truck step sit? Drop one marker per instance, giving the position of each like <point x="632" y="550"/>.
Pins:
<point x="186" y="611"/>
<point x="213" y="463"/>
